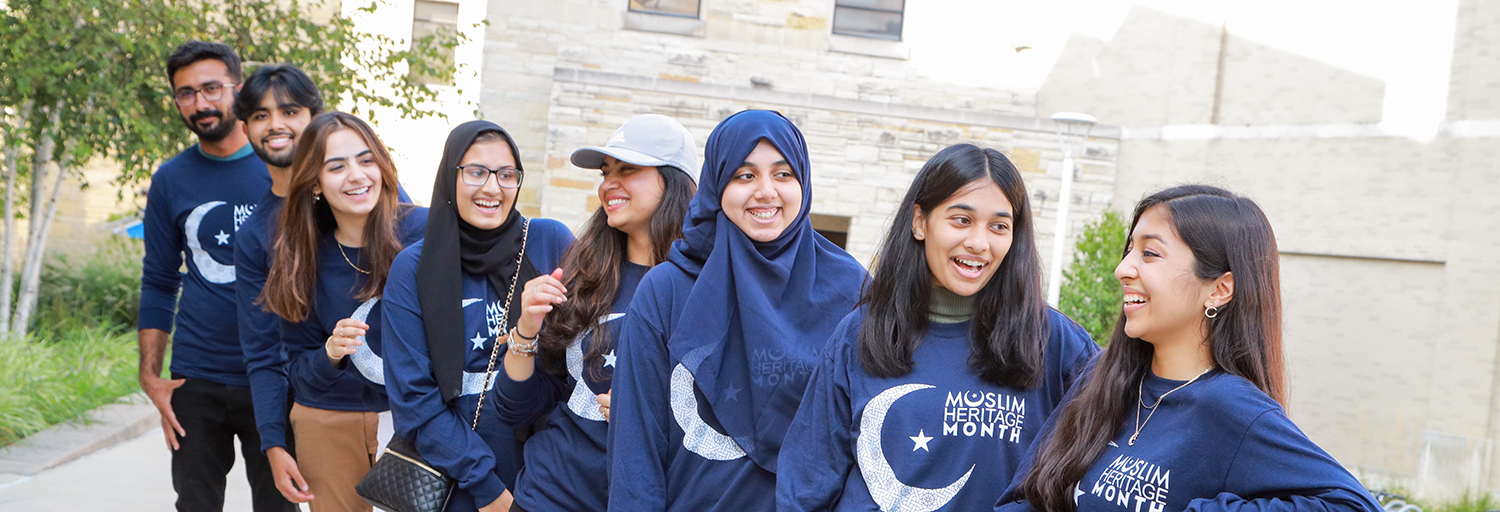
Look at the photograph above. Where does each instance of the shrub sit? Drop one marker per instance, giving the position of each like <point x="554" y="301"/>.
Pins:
<point x="1090" y="292"/>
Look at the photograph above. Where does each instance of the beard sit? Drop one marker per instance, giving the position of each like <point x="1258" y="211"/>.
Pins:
<point x="219" y="130"/>
<point x="283" y="161"/>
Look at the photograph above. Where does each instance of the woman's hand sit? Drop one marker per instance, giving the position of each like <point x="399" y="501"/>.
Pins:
<point x="604" y="404"/>
<point x="537" y="300"/>
<point x="501" y="504"/>
<point x="345" y="339"/>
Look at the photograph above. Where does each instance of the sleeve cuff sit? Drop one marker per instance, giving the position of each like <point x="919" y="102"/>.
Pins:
<point x="271" y="436"/>
<point x="326" y="370"/>
<point x="155" y="318"/>
<point x="486" y="490"/>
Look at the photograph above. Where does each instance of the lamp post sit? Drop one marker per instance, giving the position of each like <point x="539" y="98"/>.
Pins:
<point x="1072" y="128"/>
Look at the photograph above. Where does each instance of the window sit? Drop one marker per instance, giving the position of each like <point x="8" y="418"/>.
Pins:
<point x="832" y="227"/>
<point x="684" y="8"/>
<point x="878" y="19"/>
<point x="434" y="17"/>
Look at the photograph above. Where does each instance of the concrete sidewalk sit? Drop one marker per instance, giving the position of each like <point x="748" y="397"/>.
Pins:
<point x="133" y="476"/>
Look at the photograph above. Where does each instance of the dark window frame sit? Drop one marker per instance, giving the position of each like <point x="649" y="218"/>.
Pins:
<point x="697" y="15"/>
<point x="900" y="13"/>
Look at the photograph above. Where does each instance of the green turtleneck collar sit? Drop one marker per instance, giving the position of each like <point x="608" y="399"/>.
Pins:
<point x="947" y="307"/>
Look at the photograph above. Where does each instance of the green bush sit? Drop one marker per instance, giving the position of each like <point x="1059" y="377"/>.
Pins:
<point x="82" y="352"/>
<point x="1090" y="292"/>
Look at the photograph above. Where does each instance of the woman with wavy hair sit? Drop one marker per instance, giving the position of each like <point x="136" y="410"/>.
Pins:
<point x="935" y="387"/>
<point x="1185" y="408"/>
<point x="340" y="229"/>
<point x="650" y="172"/>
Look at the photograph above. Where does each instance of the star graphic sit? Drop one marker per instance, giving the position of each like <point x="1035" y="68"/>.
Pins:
<point x="921" y="439"/>
<point x="478" y="341"/>
<point x="609" y="359"/>
<point x="1076" y="493"/>
<point x="222" y="237"/>
<point x="732" y="393"/>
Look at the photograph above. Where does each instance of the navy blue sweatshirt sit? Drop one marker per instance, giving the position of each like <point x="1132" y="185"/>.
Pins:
<point x="346" y="387"/>
<point x="683" y="464"/>
<point x="485" y="460"/>
<point x="195" y="206"/>
<point x="567" y="464"/>
<point x="937" y="438"/>
<point x="260" y="330"/>
<point x="1218" y="444"/>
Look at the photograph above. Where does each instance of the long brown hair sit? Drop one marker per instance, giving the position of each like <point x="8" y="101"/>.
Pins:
<point x="592" y="271"/>
<point x="1226" y="233"/>
<point x="294" y="273"/>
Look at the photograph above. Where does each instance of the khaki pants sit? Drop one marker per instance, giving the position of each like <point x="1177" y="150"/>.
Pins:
<point x="334" y="451"/>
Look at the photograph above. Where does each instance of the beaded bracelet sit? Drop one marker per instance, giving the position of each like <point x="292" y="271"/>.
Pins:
<point x="523" y="349"/>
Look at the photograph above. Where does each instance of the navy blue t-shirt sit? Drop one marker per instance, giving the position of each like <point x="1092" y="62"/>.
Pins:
<point x="195" y="207"/>
<point x="567" y="462"/>
<point x="484" y="460"/>
<point x="315" y="381"/>
<point x="686" y="463"/>
<point x="938" y="438"/>
<point x="1218" y="444"/>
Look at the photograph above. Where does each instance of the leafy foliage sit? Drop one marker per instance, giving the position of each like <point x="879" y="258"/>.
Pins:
<point x="1090" y="292"/>
<point x="102" y="290"/>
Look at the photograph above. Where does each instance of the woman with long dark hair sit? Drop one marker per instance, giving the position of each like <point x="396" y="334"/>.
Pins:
<point x="935" y="387"/>
<point x="1185" y="408"/>
<point x="720" y="339"/>
<point x="340" y="229"/>
<point x="650" y="171"/>
<point x="447" y="305"/>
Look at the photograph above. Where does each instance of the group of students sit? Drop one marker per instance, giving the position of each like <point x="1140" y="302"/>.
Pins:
<point x="759" y="367"/>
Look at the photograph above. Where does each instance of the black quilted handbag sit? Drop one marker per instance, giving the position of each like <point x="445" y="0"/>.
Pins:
<point x="401" y="481"/>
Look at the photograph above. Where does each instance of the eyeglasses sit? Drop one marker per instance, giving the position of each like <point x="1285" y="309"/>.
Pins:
<point x="476" y="175"/>
<point x="210" y="92"/>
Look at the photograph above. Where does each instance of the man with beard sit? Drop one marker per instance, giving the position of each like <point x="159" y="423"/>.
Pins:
<point x="196" y="203"/>
<point x="276" y="102"/>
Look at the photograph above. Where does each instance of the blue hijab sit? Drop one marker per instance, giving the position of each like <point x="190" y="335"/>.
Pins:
<point x="773" y="304"/>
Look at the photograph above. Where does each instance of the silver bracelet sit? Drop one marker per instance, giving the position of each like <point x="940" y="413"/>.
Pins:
<point x="525" y="349"/>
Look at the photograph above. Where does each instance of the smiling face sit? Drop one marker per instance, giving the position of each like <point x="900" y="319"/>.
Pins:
<point x="630" y="194"/>
<point x="486" y="206"/>
<point x="1164" y="299"/>
<point x="763" y="196"/>
<point x="273" y="129"/>
<point x="966" y="237"/>
<point x="210" y="120"/>
<point x="350" y="179"/>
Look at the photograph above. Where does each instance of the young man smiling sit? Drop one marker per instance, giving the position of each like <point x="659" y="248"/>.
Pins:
<point x="276" y="103"/>
<point x="196" y="204"/>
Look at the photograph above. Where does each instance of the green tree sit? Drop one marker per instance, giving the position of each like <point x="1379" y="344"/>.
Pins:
<point x="1090" y="292"/>
<point x="86" y="79"/>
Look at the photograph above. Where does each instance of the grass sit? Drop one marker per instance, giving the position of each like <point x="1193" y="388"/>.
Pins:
<point x="82" y="352"/>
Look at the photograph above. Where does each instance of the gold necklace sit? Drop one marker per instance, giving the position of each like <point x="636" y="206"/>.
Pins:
<point x="1140" y="394"/>
<point x="366" y="272"/>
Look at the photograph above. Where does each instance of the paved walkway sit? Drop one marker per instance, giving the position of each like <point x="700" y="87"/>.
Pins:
<point x="133" y="476"/>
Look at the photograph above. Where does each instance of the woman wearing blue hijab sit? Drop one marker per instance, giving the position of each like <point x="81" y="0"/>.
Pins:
<point x="728" y="330"/>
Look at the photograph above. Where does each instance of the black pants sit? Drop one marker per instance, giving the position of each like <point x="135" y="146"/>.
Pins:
<point x="213" y="414"/>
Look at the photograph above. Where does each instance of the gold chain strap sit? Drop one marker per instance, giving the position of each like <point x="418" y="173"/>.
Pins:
<point x="489" y="372"/>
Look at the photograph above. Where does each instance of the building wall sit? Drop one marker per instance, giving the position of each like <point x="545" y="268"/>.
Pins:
<point x="1389" y="257"/>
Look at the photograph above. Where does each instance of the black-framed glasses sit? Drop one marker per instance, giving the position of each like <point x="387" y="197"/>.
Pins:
<point x="210" y="92"/>
<point x="476" y="175"/>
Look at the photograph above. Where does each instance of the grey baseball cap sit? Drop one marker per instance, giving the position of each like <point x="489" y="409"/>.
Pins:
<point x="650" y="140"/>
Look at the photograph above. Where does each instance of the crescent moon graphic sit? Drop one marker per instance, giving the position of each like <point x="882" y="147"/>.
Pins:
<point x="584" y="402"/>
<point x="371" y="366"/>
<point x="697" y="436"/>
<point x="210" y="269"/>
<point x="880" y="478"/>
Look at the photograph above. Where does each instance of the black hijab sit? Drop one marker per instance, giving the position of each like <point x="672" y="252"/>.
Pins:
<point x="453" y="247"/>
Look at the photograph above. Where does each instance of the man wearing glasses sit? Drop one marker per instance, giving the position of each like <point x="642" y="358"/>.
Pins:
<point x="196" y="203"/>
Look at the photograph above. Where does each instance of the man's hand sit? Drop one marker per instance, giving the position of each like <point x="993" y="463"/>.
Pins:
<point x="501" y="504"/>
<point x="153" y="343"/>
<point x="160" y="392"/>
<point x="288" y="478"/>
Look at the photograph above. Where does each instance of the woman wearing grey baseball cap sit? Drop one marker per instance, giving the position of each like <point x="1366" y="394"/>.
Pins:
<point x="650" y="171"/>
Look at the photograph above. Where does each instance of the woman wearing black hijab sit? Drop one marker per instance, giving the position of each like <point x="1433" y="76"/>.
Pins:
<point x="440" y="348"/>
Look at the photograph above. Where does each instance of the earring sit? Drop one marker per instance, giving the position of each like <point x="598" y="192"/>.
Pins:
<point x="317" y="197"/>
<point x="915" y="234"/>
<point x="1211" y="311"/>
